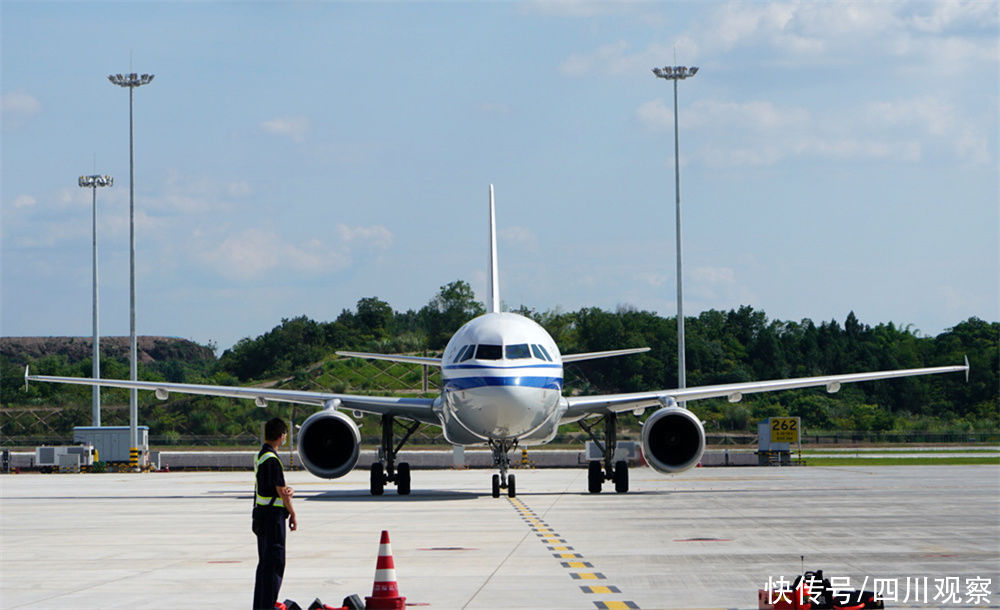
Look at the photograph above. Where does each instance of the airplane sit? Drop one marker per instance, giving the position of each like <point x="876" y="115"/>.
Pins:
<point x="501" y="385"/>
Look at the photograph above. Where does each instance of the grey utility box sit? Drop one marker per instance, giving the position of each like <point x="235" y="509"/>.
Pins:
<point x="112" y="442"/>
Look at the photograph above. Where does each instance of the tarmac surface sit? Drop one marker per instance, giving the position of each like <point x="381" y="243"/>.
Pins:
<point x="705" y="538"/>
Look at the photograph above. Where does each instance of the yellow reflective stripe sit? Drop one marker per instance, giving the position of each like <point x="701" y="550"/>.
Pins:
<point x="260" y="500"/>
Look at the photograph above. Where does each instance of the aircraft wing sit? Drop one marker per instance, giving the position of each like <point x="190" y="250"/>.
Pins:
<point x="394" y="358"/>
<point x="418" y="409"/>
<point x="607" y="354"/>
<point x="590" y="405"/>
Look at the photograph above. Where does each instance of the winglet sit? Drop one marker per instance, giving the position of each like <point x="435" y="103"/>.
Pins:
<point x="26" y="377"/>
<point x="966" y="368"/>
<point x="494" y="302"/>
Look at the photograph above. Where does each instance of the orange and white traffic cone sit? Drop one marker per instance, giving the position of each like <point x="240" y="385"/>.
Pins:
<point x="385" y="593"/>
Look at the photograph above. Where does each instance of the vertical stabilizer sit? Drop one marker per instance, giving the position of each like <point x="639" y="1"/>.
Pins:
<point x="493" y="305"/>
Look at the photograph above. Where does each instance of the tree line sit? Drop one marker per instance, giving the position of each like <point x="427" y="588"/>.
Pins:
<point x="721" y="347"/>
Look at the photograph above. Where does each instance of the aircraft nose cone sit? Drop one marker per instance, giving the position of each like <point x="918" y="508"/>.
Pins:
<point x="505" y="411"/>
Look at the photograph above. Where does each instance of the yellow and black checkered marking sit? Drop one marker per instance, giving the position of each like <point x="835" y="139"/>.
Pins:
<point x="587" y="576"/>
<point x="601" y="589"/>
<point x="561" y="550"/>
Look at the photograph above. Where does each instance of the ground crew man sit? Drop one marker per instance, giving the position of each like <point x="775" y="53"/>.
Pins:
<point x="272" y="506"/>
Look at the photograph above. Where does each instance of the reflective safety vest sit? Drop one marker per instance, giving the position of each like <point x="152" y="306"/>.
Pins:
<point x="260" y="500"/>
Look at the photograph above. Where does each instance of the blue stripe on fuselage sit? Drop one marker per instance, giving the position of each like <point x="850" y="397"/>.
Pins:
<point x="466" y="383"/>
<point x="451" y="367"/>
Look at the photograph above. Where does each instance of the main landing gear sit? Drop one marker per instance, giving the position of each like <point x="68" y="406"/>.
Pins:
<point x="606" y="470"/>
<point x="385" y="469"/>
<point x="501" y="460"/>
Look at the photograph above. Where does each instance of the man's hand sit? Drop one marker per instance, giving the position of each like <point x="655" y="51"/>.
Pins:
<point x="293" y="523"/>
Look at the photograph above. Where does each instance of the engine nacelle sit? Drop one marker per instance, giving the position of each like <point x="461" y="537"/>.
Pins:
<point x="329" y="444"/>
<point x="673" y="440"/>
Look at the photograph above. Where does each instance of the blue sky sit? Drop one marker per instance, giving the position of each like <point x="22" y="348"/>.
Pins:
<point x="294" y="158"/>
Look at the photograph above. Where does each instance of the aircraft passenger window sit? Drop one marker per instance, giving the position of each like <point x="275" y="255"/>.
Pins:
<point x="518" y="351"/>
<point x="489" y="352"/>
<point x="544" y="351"/>
<point x="537" y="351"/>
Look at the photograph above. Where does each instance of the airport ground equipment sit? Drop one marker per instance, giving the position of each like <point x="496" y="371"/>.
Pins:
<point x="112" y="442"/>
<point x="70" y="457"/>
<point x="811" y="591"/>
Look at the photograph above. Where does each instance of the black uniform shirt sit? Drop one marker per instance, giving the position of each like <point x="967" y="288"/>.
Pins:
<point x="269" y="474"/>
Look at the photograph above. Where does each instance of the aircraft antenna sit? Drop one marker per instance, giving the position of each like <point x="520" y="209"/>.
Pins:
<point x="494" y="302"/>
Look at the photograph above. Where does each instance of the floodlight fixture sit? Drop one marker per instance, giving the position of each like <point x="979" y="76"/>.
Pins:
<point x="675" y="72"/>
<point x="131" y="80"/>
<point x="96" y="181"/>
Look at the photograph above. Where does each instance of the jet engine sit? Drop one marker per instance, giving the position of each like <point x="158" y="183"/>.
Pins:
<point x="329" y="444"/>
<point x="673" y="440"/>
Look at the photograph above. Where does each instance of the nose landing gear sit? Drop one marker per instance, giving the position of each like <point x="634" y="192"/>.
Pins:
<point x="501" y="460"/>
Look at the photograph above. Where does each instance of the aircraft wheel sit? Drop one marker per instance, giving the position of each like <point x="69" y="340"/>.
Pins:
<point x="621" y="477"/>
<point x="496" y="486"/>
<point x="403" y="479"/>
<point x="511" y="492"/>
<point x="376" y="479"/>
<point x="595" y="477"/>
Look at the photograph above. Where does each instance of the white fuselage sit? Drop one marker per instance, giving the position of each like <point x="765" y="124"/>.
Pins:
<point x="502" y="379"/>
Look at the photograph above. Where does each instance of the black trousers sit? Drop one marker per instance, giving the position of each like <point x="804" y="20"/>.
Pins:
<point x="269" y="526"/>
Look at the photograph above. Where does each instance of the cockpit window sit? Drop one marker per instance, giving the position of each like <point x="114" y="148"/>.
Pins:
<point x="489" y="352"/>
<point x="537" y="351"/>
<point x="545" y="353"/>
<point x="464" y="353"/>
<point x="517" y="351"/>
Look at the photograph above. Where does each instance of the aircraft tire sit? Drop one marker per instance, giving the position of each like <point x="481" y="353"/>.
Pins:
<point x="403" y="479"/>
<point x="376" y="479"/>
<point x="511" y="491"/>
<point x="595" y="477"/>
<point x="621" y="477"/>
<point x="496" y="486"/>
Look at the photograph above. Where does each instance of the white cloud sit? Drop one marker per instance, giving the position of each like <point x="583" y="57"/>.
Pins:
<point x="375" y="236"/>
<point x="617" y="59"/>
<point x="495" y="108"/>
<point x="24" y="201"/>
<point x="521" y="238"/>
<point x="254" y="252"/>
<point x="940" y="120"/>
<point x="17" y="107"/>
<point x="713" y="275"/>
<point x="760" y="133"/>
<point x="755" y="114"/>
<point x="294" y="128"/>
<point x="574" y="8"/>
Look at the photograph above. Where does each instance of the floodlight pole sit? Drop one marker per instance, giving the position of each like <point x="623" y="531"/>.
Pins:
<point x="131" y="81"/>
<point x="93" y="182"/>
<point x="675" y="74"/>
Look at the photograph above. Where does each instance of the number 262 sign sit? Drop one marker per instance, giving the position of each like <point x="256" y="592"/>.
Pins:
<point x="784" y="430"/>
